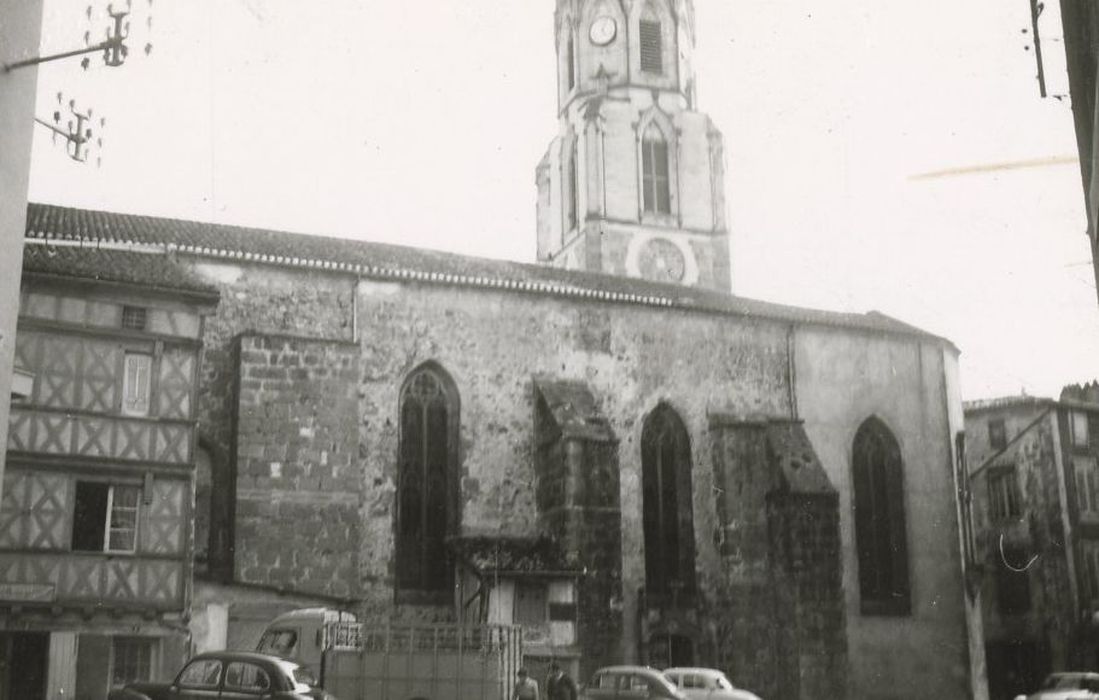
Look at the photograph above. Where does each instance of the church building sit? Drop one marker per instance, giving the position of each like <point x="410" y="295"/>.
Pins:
<point x="606" y="447"/>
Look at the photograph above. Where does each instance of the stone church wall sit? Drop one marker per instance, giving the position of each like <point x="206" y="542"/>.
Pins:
<point x="843" y="378"/>
<point x="632" y="358"/>
<point x="296" y="456"/>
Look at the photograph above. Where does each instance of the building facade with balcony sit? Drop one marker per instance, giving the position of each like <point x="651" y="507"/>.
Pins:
<point x="96" y="534"/>
<point x="1034" y="505"/>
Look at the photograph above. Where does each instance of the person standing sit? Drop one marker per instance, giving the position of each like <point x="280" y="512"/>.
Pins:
<point x="526" y="688"/>
<point x="559" y="686"/>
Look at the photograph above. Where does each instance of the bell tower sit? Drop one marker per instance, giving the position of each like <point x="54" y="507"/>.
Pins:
<point x="633" y="183"/>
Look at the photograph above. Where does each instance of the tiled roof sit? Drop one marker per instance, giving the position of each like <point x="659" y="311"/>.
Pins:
<point x="1005" y="402"/>
<point x="384" y="261"/>
<point x="128" y="267"/>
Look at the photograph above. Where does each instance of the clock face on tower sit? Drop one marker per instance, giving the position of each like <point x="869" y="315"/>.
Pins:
<point x="661" y="260"/>
<point x="603" y="30"/>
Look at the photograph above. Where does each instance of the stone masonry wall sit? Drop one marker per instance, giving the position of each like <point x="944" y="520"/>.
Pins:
<point x="298" y="481"/>
<point x="264" y="299"/>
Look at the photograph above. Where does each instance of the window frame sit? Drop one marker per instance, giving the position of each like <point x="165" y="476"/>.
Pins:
<point x="137" y="406"/>
<point x="1003" y="494"/>
<point x="1078" y="422"/>
<point x="997" y="434"/>
<point x="152" y="645"/>
<point x="669" y="547"/>
<point x="1085" y="473"/>
<point x="656" y="181"/>
<point x="426" y="588"/>
<point x="881" y="527"/>
<point x="650" y="44"/>
<point x="105" y="546"/>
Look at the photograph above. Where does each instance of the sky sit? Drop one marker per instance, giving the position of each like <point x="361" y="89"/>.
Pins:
<point x="880" y="156"/>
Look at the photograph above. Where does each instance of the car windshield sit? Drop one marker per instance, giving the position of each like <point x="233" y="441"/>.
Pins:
<point x="278" y="642"/>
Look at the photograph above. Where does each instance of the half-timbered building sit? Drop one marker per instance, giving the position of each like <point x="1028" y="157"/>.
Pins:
<point x="95" y="520"/>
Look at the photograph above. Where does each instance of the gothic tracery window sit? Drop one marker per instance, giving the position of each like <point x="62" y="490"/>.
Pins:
<point x="666" y="494"/>
<point x="426" y="491"/>
<point x="880" y="528"/>
<point x="654" y="171"/>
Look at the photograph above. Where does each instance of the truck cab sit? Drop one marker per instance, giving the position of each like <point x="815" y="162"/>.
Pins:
<point x="300" y="635"/>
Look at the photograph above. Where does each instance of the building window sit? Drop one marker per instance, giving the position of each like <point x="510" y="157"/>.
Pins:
<point x="1003" y="494"/>
<point x="105" y="517"/>
<point x="997" y="434"/>
<point x="1087" y="480"/>
<point x="571" y="59"/>
<point x="1079" y="429"/>
<point x="132" y="659"/>
<point x="1091" y="567"/>
<point x="574" y="188"/>
<point x="667" y="513"/>
<point x="136" y="378"/>
<point x="1013" y="582"/>
<point x="530" y="604"/>
<point x="134" y="318"/>
<point x="880" y="528"/>
<point x="654" y="171"/>
<point x="427" y="486"/>
<point x="650" y="32"/>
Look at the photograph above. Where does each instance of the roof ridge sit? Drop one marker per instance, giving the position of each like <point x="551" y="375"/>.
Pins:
<point x="387" y="261"/>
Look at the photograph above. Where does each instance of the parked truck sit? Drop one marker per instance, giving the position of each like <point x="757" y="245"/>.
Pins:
<point x="391" y="661"/>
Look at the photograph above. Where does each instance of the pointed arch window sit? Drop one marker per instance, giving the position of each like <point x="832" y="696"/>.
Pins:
<point x="427" y="483"/>
<point x="666" y="504"/>
<point x="654" y="171"/>
<point x="880" y="529"/>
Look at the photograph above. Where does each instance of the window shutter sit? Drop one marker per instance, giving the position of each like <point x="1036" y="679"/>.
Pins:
<point x="135" y="384"/>
<point x="652" y="48"/>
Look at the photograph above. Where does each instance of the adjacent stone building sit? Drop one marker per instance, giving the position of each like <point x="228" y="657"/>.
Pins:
<point x="1034" y="501"/>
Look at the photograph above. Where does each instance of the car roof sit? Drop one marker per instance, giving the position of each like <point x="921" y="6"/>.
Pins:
<point x="695" y="669"/>
<point x="627" y="669"/>
<point x="240" y="656"/>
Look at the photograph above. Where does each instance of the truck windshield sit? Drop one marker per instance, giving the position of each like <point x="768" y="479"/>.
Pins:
<point x="278" y="642"/>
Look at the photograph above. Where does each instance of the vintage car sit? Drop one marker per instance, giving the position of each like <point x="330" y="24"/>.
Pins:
<point x="629" y="683"/>
<point x="1070" y="685"/>
<point x="706" y="684"/>
<point x="236" y="674"/>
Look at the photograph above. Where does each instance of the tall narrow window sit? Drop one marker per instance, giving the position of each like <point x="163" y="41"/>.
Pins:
<point x="571" y="67"/>
<point x="654" y="171"/>
<point x="135" y="384"/>
<point x="1079" y="429"/>
<point x="574" y="188"/>
<point x="651" y="37"/>
<point x="666" y="493"/>
<point x="880" y="529"/>
<point x="997" y="434"/>
<point x="1003" y="494"/>
<point x="1086" y="471"/>
<point x="427" y="488"/>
